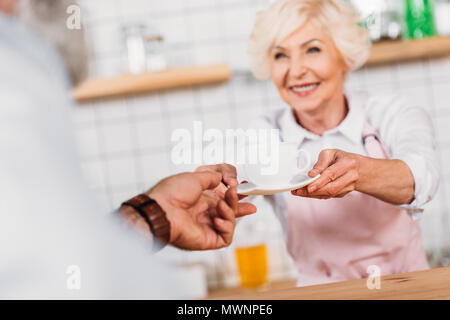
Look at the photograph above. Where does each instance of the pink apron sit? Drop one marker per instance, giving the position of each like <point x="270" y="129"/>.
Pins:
<point x="337" y="239"/>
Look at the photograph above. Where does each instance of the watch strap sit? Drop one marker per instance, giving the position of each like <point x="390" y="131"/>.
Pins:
<point x="153" y="214"/>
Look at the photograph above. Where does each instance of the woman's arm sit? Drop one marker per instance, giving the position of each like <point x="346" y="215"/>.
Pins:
<point x="387" y="180"/>
<point x="343" y="172"/>
<point x="411" y="178"/>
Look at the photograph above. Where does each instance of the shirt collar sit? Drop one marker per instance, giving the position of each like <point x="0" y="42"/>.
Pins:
<point x="351" y="127"/>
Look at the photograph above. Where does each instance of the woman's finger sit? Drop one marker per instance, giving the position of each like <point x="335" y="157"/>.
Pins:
<point x="221" y="189"/>
<point x="344" y="192"/>
<point x="240" y="195"/>
<point x="307" y="195"/>
<point x="332" y="173"/>
<point x="302" y="192"/>
<point x="326" y="158"/>
<point x="342" y="184"/>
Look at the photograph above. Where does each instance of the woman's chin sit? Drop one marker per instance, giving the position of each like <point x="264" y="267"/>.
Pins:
<point x="304" y="107"/>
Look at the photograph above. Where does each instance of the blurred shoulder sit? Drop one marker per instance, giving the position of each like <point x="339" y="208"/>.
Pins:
<point x="382" y="107"/>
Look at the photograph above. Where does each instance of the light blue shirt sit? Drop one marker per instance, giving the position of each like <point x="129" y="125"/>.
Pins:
<point x="54" y="241"/>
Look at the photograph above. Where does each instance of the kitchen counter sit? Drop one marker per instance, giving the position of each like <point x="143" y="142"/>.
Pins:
<point x="429" y="284"/>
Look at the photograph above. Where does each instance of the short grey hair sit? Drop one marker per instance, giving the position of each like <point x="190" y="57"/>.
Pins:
<point x="48" y="17"/>
<point x="283" y="17"/>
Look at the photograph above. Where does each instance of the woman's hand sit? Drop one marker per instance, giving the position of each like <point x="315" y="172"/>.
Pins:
<point x="342" y="172"/>
<point x="339" y="172"/>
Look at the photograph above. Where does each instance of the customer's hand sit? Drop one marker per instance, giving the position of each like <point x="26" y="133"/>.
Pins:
<point x="229" y="178"/>
<point x="201" y="215"/>
<point x="339" y="172"/>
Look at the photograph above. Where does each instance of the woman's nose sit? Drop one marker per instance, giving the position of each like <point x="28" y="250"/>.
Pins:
<point x="297" y="68"/>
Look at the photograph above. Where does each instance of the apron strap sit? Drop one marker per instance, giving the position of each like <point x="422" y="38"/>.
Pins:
<point x="374" y="146"/>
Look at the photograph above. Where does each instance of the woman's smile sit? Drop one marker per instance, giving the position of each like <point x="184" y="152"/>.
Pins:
<point x="304" y="90"/>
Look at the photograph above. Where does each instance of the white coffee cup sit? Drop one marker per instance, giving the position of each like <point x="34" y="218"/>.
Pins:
<point x="282" y="167"/>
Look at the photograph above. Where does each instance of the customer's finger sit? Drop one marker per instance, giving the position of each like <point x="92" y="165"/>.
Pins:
<point x="209" y="200"/>
<point x="229" y="174"/>
<point x="232" y="199"/>
<point x="326" y="158"/>
<point x="225" y="221"/>
<point x="207" y="179"/>
<point x="240" y="209"/>
<point x="225" y="231"/>
<point x="245" y="209"/>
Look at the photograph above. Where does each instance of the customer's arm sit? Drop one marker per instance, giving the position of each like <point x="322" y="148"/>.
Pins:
<point x="200" y="214"/>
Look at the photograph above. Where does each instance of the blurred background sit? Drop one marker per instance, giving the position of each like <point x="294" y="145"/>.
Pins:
<point x="125" y="140"/>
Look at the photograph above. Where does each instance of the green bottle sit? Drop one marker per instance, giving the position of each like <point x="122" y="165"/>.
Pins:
<point x="420" y="19"/>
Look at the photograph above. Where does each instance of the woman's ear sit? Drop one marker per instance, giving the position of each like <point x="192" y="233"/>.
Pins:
<point x="345" y="72"/>
<point x="347" y="67"/>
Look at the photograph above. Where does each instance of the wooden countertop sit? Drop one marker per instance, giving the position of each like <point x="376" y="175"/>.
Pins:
<point x="430" y="284"/>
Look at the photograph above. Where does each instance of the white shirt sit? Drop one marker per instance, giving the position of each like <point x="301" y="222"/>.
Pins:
<point x="54" y="240"/>
<point x="404" y="127"/>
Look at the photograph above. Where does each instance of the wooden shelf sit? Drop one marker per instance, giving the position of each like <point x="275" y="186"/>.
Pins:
<point x="394" y="51"/>
<point x="150" y="81"/>
<point x="382" y="53"/>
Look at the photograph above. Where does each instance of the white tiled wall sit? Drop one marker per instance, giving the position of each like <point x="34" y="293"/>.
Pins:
<point x="125" y="143"/>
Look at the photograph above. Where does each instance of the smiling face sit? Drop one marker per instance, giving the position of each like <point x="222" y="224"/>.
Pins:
<point x="308" y="70"/>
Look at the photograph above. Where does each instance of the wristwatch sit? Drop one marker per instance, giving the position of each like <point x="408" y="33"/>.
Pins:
<point x="154" y="215"/>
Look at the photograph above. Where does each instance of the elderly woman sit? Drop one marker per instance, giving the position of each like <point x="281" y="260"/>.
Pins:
<point x="375" y="154"/>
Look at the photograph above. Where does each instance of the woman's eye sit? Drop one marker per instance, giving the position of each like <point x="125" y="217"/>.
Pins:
<point x="313" y="50"/>
<point x="279" y="55"/>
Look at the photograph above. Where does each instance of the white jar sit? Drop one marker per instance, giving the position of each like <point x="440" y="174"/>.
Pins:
<point x="442" y="17"/>
<point x="136" y="60"/>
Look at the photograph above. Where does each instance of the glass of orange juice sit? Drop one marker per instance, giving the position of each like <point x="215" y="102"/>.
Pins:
<point x="252" y="265"/>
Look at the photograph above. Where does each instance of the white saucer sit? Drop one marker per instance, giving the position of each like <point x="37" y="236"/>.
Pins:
<point x="298" y="181"/>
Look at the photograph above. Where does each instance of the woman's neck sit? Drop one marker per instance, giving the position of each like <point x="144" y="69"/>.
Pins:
<point x="324" y="118"/>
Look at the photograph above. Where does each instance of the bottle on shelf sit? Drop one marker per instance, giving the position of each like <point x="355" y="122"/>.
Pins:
<point x="419" y="16"/>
